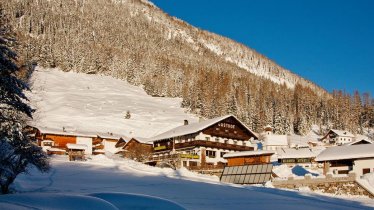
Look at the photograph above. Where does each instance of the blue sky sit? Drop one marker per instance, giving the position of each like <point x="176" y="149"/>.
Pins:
<point x="329" y="42"/>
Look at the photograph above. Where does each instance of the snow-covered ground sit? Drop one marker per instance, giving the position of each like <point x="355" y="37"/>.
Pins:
<point x="103" y="183"/>
<point x="97" y="104"/>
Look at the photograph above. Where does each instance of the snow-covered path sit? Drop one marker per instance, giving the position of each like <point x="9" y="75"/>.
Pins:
<point x="193" y="191"/>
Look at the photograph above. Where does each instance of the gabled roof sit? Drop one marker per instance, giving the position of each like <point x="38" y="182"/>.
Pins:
<point x="194" y="128"/>
<point x="359" y="141"/>
<point x="347" y="152"/>
<point x="339" y="133"/>
<point x="343" y="133"/>
<point x="139" y="140"/>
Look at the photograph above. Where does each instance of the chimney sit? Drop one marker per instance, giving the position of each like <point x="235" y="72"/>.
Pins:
<point x="185" y="122"/>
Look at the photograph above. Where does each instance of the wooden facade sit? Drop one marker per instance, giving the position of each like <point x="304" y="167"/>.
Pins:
<point x="60" y="141"/>
<point x="249" y="160"/>
<point x="137" y="150"/>
<point x="229" y="128"/>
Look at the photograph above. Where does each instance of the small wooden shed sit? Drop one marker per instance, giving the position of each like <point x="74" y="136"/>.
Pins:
<point x="248" y="157"/>
<point x="76" y="151"/>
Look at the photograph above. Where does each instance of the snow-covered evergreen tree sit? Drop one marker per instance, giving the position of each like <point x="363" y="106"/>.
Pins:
<point x="17" y="152"/>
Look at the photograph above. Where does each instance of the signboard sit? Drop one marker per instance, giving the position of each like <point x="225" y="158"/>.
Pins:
<point x="189" y="156"/>
<point x="160" y="148"/>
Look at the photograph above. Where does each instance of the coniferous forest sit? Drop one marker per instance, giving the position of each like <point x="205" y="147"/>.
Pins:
<point x="135" y="41"/>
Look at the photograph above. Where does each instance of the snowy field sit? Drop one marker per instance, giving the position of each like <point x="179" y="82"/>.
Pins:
<point x="86" y="103"/>
<point x="103" y="183"/>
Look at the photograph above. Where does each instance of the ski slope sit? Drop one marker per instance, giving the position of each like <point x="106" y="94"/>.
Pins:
<point x="87" y="103"/>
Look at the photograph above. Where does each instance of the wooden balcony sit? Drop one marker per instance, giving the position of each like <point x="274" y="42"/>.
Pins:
<point x="218" y="145"/>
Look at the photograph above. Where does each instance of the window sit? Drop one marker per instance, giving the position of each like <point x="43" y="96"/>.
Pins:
<point x="211" y="154"/>
<point x="207" y="138"/>
<point x="235" y="142"/>
<point x="343" y="171"/>
<point x="222" y="154"/>
<point x="303" y="160"/>
<point x="288" y="160"/>
<point x="47" y="143"/>
<point x="217" y="139"/>
<point x="365" y="170"/>
<point x="226" y="141"/>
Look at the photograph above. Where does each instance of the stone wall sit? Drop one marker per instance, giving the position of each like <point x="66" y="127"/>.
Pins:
<point x="338" y="185"/>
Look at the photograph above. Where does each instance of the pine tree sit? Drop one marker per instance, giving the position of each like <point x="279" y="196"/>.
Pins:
<point x="17" y="152"/>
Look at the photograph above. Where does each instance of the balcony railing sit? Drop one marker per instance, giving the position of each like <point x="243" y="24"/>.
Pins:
<point x="203" y="143"/>
<point x="211" y="144"/>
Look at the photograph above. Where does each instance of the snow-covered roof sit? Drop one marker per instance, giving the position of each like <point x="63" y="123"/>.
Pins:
<point x="343" y="133"/>
<point x="276" y="140"/>
<point x="108" y="136"/>
<point x="47" y="140"/>
<point x="142" y="140"/>
<point x="358" y="141"/>
<point x="302" y="140"/>
<point x="347" y="152"/>
<point x="284" y="153"/>
<point x="340" y="133"/>
<point x="248" y="153"/>
<point x="193" y="128"/>
<point x="45" y="130"/>
<point x="54" y="149"/>
<point x="76" y="146"/>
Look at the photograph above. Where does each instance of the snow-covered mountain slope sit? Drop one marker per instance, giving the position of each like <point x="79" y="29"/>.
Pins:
<point x="87" y="103"/>
<point x="225" y="48"/>
<point x="74" y="181"/>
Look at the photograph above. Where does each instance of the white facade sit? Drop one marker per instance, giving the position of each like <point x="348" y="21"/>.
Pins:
<point x="218" y="153"/>
<point x="274" y="142"/>
<point x="357" y="167"/>
<point x="110" y="146"/>
<point x="88" y="142"/>
<point x="343" y="140"/>
<point x="338" y="137"/>
<point x="360" y="165"/>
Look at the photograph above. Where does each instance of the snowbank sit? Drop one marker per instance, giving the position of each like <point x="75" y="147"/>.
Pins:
<point x="106" y="183"/>
<point x="367" y="182"/>
<point x="283" y="171"/>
